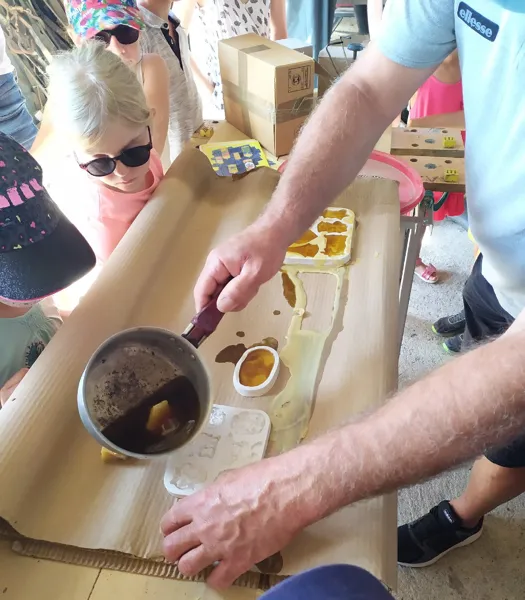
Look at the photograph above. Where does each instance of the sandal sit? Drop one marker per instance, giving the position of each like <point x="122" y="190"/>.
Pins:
<point x="429" y="273"/>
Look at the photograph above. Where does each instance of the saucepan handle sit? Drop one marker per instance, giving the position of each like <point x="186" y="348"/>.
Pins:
<point x="206" y="321"/>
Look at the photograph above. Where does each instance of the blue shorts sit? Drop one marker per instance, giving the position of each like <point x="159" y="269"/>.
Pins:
<point x="331" y="582"/>
<point x="15" y="119"/>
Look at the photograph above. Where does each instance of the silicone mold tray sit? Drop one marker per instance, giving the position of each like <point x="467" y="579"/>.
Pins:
<point x="327" y="243"/>
<point x="233" y="438"/>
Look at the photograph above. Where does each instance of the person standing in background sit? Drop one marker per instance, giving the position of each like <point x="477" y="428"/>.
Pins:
<point x="209" y="21"/>
<point x="439" y="103"/>
<point x="163" y="35"/>
<point x="15" y="119"/>
<point x="100" y="110"/>
<point x="118" y="25"/>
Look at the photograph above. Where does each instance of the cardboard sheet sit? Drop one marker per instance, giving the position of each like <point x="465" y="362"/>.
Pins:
<point x="54" y="486"/>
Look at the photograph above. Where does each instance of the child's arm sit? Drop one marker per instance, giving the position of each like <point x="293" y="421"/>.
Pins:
<point x="201" y="79"/>
<point x="156" y="82"/>
<point x="43" y="138"/>
<point x="454" y="120"/>
<point x="278" y="27"/>
<point x="11" y="385"/>
<point x="184" y="10"/>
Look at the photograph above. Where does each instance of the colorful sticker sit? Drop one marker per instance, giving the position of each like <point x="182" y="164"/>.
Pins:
<point x="235" y="157"/>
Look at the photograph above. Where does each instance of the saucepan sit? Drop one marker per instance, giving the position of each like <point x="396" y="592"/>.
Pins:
<point x="145" y="392"/>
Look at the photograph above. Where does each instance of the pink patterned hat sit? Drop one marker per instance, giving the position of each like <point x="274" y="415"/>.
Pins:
<point x="41" y="252"/>
<point x="88" y="17"/>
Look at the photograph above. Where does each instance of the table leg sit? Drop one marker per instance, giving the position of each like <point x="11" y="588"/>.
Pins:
<point x="412" y="231"/>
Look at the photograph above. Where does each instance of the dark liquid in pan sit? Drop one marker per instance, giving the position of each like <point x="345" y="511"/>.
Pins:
<point x="129" y="431"/>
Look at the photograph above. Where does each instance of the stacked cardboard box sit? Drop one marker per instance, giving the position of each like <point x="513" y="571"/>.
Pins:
<point x="268" y="90"/>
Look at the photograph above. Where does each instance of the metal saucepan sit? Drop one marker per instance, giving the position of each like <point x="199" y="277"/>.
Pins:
<point x="139" y="368"/>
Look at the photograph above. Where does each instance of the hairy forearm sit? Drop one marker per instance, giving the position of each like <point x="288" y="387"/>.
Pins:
<point x="329" y="153"/>
<point x="472" y="403"/>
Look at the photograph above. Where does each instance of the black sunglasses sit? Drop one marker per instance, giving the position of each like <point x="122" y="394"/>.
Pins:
<point x="131" y="157"/>
<point x="125" y="35"/>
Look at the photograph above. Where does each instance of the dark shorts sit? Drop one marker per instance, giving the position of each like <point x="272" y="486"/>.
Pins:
<point x="486" y="319"/>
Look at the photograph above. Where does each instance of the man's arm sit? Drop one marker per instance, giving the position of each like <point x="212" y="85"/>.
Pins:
<point x="329" y="153"/>
<point x="416" y="35"/>
<point x="451" y="415"/>
<point x="348" y="123"/>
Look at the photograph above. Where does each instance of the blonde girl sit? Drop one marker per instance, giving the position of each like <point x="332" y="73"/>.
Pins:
<point x="99" y="107"/>
<point x="117" y="24"/>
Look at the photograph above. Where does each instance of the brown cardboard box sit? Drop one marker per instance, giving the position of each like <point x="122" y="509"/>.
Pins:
<point x="268" y="89"/>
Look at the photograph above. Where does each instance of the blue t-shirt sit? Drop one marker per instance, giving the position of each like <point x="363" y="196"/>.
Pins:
<point x="491" y="46"/>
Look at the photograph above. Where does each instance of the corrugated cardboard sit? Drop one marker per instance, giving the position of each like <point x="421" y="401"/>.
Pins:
<point x="268" y="90"/>
<point x="55" y="487"/>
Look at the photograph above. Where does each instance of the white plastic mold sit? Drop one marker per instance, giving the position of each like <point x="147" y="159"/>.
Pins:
<point x="233" y="438"/>
<point x="263" y="388"/>
<point x="332" y="217"/>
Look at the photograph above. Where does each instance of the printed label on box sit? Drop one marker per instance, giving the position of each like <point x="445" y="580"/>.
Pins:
<point x="298" y="79"/>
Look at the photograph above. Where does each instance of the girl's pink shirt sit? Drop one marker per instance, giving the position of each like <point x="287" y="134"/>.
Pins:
<point x="112" y="212"/>
<point x="436" y="98"/>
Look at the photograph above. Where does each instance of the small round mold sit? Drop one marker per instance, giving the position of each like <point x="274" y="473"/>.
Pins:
<point x="256" y="371"/>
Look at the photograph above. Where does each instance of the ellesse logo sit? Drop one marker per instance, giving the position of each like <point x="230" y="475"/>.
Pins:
<point x="478" y="23"/>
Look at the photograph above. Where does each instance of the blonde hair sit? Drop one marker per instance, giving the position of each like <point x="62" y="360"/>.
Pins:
<point x="90" y="87"/>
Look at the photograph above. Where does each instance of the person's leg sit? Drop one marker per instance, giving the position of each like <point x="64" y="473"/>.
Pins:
<point x="484" y="316"/>
<point x="489" y="486"/>
<point x="330" y="582"/>
<point x="426" y="273"/>
<point x="15" y="119"/>
<point x="451" y="325"/>
<point x="361" y="17"/>
<point x="496" y="478"/>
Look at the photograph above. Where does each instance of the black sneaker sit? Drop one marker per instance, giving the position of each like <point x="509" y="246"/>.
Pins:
<point x="454" y="345"/>
<point x="452" y="325"/>
<point x="423" y="542"/>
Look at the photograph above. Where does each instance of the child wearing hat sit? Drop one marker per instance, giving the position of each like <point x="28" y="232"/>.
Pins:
<point x="117" y="25"/>
<point x="41" y="253"/>
<point x="98" y="105"/>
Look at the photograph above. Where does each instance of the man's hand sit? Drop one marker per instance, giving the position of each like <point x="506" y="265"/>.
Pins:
<point x="252" y="257"/>
<point x="243" y="518"/>
<point x="11" y="385"/>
